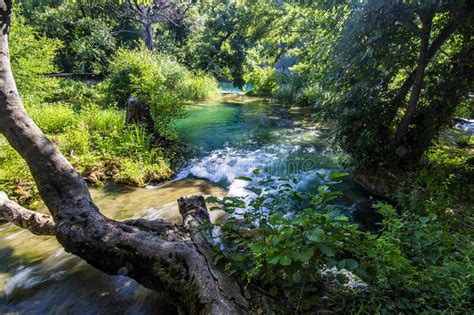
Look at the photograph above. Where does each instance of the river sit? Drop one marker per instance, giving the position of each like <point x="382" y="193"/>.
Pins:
<point x="227" y="138"/>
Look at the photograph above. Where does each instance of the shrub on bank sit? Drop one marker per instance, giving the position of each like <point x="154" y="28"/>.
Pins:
<point x="156" y="80"/>
<point x="200" y="86"/>
<point x="54" y="118"/>
<point x="265" y="80"/>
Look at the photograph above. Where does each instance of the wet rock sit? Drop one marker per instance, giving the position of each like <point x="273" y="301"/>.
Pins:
<point x="380" y="183"/>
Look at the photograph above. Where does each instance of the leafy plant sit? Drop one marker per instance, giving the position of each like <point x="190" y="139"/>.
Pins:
<point x="54" y="118"/>
<point x="32" y="56"/>
<point x="286" y="252"/>
<point x="294" y="245"/>
<point x="156" y="80"/>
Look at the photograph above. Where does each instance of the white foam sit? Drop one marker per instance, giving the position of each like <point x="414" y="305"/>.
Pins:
<point x="23" y="279"/>
<point x="225" y="166"/>
<point x="14" y="235"/>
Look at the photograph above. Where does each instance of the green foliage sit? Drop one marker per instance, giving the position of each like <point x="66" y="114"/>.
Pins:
<point x="77" y="93"/>
<point x="418" y="261"/>
<point x="74" y="141"/>
<point x="289" y="91"/>
<point x="102" y="120"/>
<point x="222" y="45"/>
<point x="15" y="177"/>
<point x="200" y="86"/>
<point x="54" y="118"/>
<point x="283" y="252"/>
<point x="444" y="182"/>
<point x="418" y="264"/>
<point x="138" y="173"/>
<point x="373" y="59"/>
<point x="88" y="40"/>
<point x="156" y="80"/>
<point x="265" y="81"/>
<point x="32" y="56"/>
<point x="465" y="109"/>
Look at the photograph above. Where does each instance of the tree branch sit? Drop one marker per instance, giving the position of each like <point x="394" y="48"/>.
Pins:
<point x="423" y="60"/>
<point x="170" y="259"/>
<point x="437" y="43"/>
<point x="37" y="223"/>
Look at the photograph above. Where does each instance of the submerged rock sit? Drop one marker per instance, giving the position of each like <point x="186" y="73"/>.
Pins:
<point x="380" y="183"/>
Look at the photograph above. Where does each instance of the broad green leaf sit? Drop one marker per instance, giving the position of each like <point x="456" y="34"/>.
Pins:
<point x="212" y="199"/>
<point x="342" y="218"/>
<point x="337" y="175"/>
<point x="424" y="220"/>
<point x="303" y="255"/>
<point x="351" y="264"/>
<point x="326" y="250"/>
<point x="285" y="261"/>
<point x="273" y="260"/>
<point x="315" y="234"/>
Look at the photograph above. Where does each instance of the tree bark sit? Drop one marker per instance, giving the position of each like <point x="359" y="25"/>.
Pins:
<point x="418" y="83"/>
<point x="173" y="260"/>
<point x="37" y="223"/>
<point x="139" y="114"/>
<point x="148" y="36"/>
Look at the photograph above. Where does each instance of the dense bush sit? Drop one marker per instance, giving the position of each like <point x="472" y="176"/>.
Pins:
<point x="78" y="93"/>
<point x="32" y="56"/>
<point x="88" y="42"/>
<point x="265" y="81"/>
<point x="158" y="81"/>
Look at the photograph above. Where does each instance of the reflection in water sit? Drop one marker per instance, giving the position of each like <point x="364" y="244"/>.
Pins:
<point x="231" y="138"/>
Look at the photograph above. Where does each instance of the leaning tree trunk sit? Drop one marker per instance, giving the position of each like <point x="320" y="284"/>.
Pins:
<point x="403" y="127"/>
<point x="174" y="260"/>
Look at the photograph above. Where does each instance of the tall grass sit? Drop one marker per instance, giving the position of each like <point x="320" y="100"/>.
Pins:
<point x="55" y="118"/>
<point x="103" y="120"/>
<point x="200" y="86"/>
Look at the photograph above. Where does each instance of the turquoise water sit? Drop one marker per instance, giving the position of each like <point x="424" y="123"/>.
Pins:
<point x="229" y="87"/>
<point x="238" y="135"/>
<point x="229" y="138"/>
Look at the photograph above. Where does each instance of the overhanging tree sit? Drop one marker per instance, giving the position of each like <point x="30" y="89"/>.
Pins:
<point x="173" y="260"/>
<point x="400" y="69"/>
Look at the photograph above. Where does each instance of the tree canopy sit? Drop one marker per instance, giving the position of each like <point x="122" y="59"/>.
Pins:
<point x="92" y="93"/>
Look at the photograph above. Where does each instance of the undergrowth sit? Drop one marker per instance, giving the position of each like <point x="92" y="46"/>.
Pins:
<point x="313" y="257"/>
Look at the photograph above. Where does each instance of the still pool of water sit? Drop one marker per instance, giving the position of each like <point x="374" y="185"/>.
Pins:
<point x="230" y="137"/>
